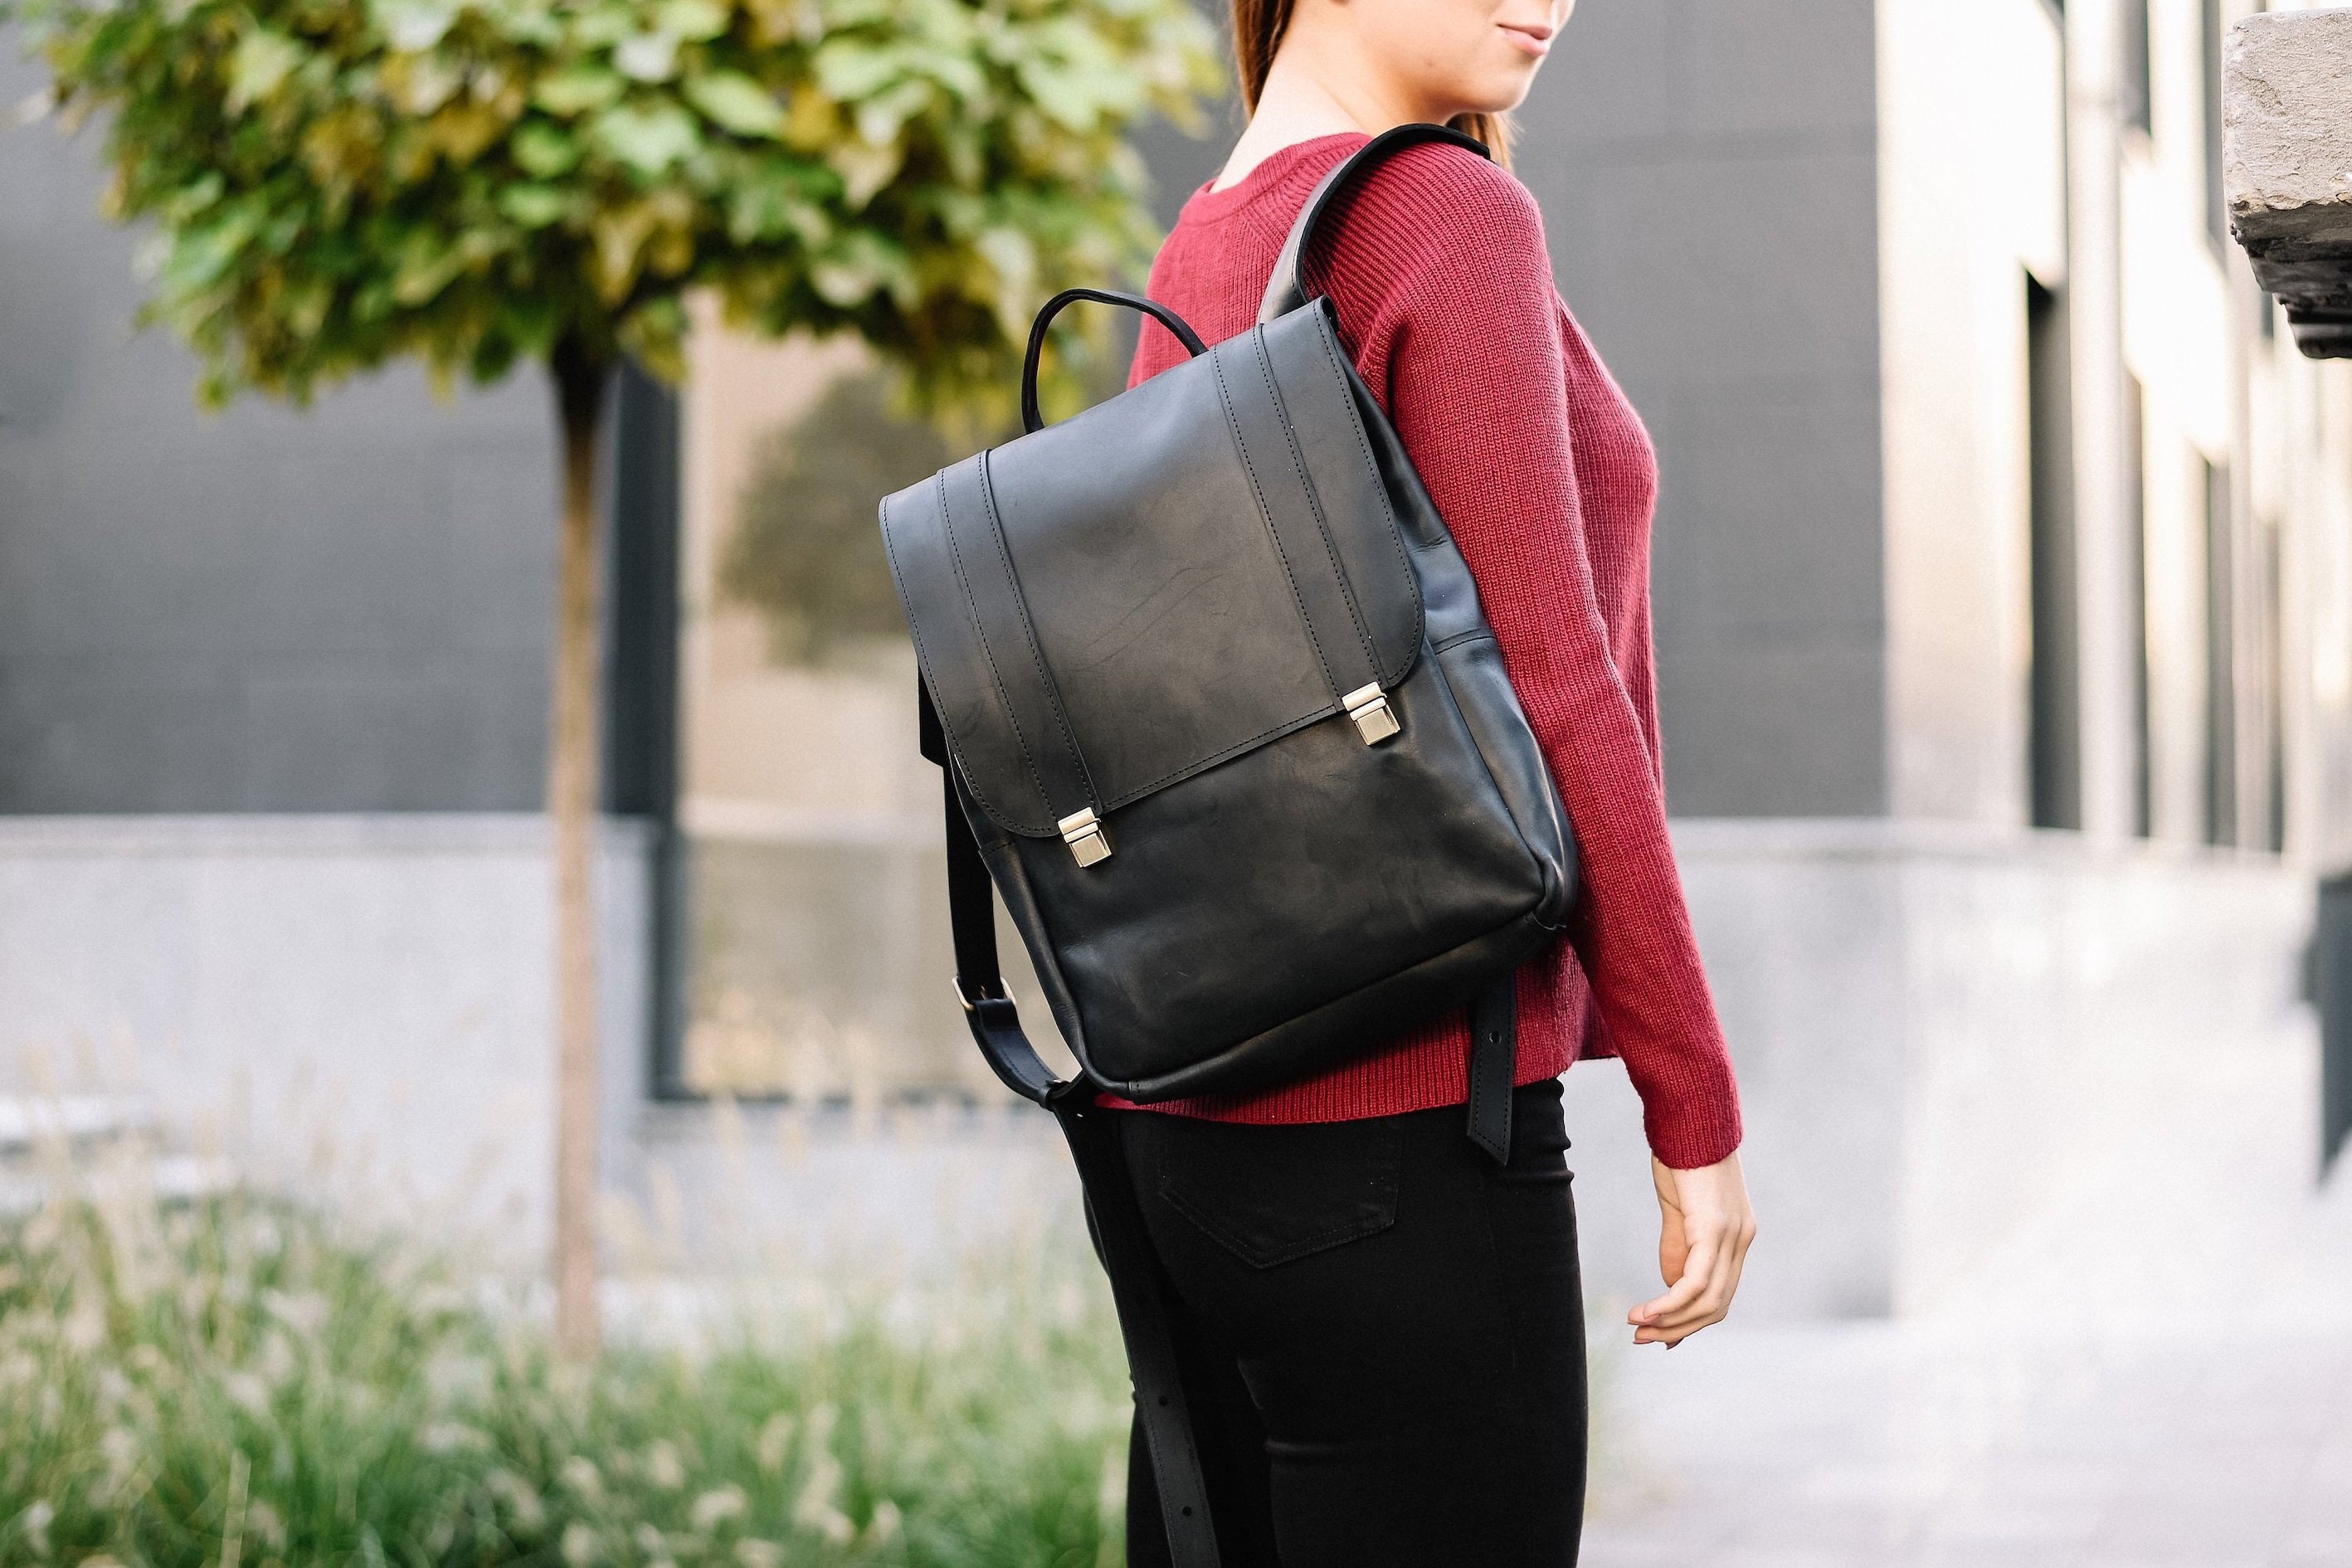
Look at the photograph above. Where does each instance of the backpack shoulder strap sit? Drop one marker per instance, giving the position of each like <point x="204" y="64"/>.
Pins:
<point x="1138" y="1289"/>
<point x="1286" y="290"/>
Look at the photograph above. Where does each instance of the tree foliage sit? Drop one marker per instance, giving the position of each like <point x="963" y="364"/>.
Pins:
<point x="334" y="184"/>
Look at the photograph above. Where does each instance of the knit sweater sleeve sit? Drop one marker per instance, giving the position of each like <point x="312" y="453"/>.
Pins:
<point x="1443" y="280"/>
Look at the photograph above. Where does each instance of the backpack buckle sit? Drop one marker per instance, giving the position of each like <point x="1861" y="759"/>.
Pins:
<point x="1090" y="845"/>
<point x="1369" y="707"/>
<point x="990" y="991"/>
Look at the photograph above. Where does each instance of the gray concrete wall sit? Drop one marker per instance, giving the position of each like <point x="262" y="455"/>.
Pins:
<point x="353" y="1006"/>
<point x="1952" y="1040"/>
<point x="1707" y="173"/>
<point x="343" y="610"/>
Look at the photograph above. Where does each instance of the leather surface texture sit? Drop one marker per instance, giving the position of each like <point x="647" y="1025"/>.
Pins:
<point x="1153" y="610"/>
<point x="1224" y="565"/>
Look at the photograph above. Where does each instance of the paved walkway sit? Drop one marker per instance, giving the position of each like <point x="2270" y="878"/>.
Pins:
<point x="1879" y="1447"/>
<point x="2161" y="1377"/>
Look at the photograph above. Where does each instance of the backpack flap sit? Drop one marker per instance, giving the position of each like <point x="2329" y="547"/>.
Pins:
<point x="1110" y="606"/>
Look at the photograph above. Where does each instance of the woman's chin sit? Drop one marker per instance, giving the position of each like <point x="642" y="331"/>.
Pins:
<point x="1503" y="87"/>
<point x="1501" y="101"/>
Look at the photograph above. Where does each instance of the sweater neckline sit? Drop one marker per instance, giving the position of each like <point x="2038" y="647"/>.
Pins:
<point x="1206" y="205"/>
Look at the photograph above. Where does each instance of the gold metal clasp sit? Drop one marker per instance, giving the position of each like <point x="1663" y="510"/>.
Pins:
<point x="1090" y="845"/>
<point x="1369" y="707"/>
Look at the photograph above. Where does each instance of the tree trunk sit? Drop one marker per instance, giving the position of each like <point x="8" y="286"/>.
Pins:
<point x="573" y="746"/>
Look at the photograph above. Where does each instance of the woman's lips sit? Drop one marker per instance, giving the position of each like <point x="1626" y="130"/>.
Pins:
<point x="1532" y="41"/>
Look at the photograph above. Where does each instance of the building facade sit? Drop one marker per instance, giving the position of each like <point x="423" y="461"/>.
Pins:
<point x="2004" y="605"/>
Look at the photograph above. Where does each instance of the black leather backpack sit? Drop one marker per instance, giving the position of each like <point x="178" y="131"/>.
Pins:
<point x="1223" y="721"/>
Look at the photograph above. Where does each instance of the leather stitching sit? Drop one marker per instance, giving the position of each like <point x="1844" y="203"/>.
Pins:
<point x="980" y="632"/>
<point x="1233" y="421"/>
<point x="1396" y="530"/>
<point x="1205" y="763"/>
<point x="1314" y="501"/>
<point x="1486" y="764"/>
<point x="890" y="548"/>
<point x="1029" y="633"/>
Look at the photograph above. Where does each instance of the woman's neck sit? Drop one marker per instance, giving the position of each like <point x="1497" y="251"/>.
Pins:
<point x="1317" y="87"/>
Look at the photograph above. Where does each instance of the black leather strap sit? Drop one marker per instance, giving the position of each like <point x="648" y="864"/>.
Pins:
<point x="1493" y="1062"/>
<point x="1137" y="1285"/>
<point x="1140" y="1290"/>
<point x="971" y="919"/>
<point x="1032" y="418"/>
<point x="1286" y="290"/>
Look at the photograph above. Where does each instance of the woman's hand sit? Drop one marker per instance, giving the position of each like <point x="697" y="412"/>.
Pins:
<point x="1705" y="1227"/>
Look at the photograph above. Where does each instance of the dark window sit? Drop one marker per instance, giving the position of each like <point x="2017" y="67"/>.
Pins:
<point x="2216" y="217"/>
<point x="641" y="640"/>
<point x="2221" y="663"/>
<point x="2055" y="736"/>
<point x="2273" y="656"/>
<point x="2135" y="610"/>
<point x="641" y="653"/>
<point x="2136" y="91"/>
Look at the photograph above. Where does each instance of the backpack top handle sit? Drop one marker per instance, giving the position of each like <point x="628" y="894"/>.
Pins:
<point x="1031" y="420"/>
<point x="1286" y="290"/>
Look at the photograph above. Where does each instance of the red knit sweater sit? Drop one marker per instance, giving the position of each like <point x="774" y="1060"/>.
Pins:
<point x="1546" y="476"/>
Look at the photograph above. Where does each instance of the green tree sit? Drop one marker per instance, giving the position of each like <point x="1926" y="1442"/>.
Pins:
<point x="338" y="184"/>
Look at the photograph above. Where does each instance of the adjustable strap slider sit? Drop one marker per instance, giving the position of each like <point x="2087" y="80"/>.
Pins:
<point x="1369" y="707"/>
<point x="1090" y="844"/>
<point x="987" y="991"/>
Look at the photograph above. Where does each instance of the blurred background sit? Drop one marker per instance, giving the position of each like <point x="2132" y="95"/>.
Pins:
<point x="2004" y="614"/>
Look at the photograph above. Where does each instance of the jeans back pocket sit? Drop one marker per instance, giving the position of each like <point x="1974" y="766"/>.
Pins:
<point x="1270" y="1195"/>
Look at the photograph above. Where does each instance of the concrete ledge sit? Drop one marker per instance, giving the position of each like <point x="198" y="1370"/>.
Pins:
<point x="1871" y="838"/>
<point x="354" y="1005"/>
<point x="2286" y="115"/>
<point x="280" y="834"/>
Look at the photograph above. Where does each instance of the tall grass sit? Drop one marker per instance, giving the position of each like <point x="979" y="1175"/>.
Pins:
<point x="242" y="1382"/>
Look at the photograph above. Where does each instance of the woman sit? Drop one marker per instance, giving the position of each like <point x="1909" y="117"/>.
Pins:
<point x="1384" y="1330"/>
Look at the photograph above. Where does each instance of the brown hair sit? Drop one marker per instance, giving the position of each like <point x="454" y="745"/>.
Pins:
<point x="1258" y="27"/>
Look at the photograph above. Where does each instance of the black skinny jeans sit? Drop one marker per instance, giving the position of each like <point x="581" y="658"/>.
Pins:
<point x="1383" y="1336"/>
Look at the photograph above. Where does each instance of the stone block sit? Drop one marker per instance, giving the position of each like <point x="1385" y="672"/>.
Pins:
<point x="2287" y="165"/>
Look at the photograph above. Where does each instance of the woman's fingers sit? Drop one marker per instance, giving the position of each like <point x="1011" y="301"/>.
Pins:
<point x="1716" y="1272"/>
<point x="1698" y="1275"/>
<point x="1708" y="1302"/>
<point x="1706" y="1226"/>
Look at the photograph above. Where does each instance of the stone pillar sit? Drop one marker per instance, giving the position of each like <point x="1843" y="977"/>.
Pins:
<point x="2286" y="168"/>
<point x="2103" y="490"/>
